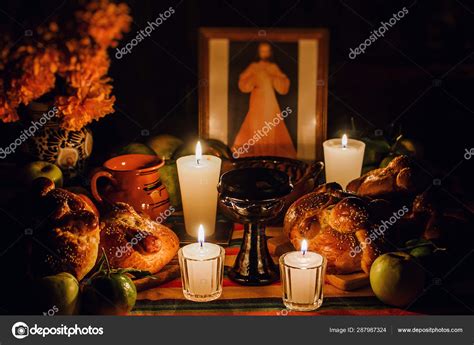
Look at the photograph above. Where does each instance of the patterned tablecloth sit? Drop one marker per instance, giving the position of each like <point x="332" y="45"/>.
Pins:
<point x="168" y="299"/>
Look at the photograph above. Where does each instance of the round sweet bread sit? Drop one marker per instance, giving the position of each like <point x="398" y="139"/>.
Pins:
<point x="69" y="231"/>
<point x="337" y="225"/>
<point x="131" y="240"/>
<point x="397" y="178"/>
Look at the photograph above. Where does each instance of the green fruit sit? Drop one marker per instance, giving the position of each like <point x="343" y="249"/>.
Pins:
<point x="134" y="148"/>
<point x="396" y="279"/>
<point x="219" y="149"/>
<point x="416" y="242"/>
<point x="109" y="294"/>
<point x="211" y="147"/>
<point x="422" y="252"/>
<point x="164" y="145"/>
<point x="59" y="293"/>
<point x="43" y="169"/>
<point x="409" y="147"/>
<point x="375" y="150"/>
<point x="169" y="176"/>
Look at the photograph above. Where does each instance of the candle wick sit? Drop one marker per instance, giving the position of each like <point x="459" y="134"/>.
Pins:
<point x="304" y="252"/>
<point x="201" y="243"/>
<point x="198" y="161"/>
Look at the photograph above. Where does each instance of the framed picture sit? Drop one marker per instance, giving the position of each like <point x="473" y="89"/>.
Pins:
<point x="264" y="92"/>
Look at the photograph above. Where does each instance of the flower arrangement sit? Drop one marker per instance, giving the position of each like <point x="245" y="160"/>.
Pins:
<point x="67" y="64"/>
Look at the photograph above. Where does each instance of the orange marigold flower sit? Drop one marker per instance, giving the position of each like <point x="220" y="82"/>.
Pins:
<point x="105" y="21"/>
<point x="77" y="53"/>
<point x="7" y="111"/>
<point x="85" y="65"/>
<point x="86" y="105"/>
<point x="38" y="76"/>
<point x="7" y="105"/>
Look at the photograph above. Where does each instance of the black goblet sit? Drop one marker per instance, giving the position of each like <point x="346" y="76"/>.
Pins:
<point x="253" y="196"/>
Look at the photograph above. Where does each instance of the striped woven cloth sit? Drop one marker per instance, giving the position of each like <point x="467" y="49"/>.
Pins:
<point x="168" y="299"/>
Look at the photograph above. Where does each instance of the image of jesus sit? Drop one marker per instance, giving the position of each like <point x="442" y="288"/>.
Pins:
<point x="262" y="79"/>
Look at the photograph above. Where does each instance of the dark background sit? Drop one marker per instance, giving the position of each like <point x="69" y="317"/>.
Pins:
<point x="419" y="74"/>
<point x="241" y="55"/>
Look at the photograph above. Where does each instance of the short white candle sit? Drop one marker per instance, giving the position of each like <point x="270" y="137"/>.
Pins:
<point x="343" y="160"/>
<point x="302" y="280"/>
<point x="201" y="269"/>
<point x="198" y="178"/>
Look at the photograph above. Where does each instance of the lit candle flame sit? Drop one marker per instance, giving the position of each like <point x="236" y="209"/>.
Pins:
<point x="201" y="235"/>
<point x="344" y="141"/>
<point x="198" y="152"/>
<point x="304" y="247"/>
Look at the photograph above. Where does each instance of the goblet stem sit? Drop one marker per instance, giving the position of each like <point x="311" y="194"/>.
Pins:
<point x="254" y="265"/>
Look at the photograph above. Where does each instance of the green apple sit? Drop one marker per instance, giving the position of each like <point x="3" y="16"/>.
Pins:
<point x="109" y="294"/>
<point x="164" y="145"/>
<point x="396" y="278"/>
<point x="409" y="147"/>
<point x="169" y="176"/>
<point x="375" y="149"/>
<point x="59" y="293"/>
<point x="43" y="169"/>
<point x="422" y="252"/>
<point x="134" y="148"/>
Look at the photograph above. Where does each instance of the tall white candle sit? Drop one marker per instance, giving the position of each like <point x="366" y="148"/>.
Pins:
<point x="302" y="282"/>
<point x="198" y="178"/>
<point x="202" y="268"/>
<point x="343" y="159"/>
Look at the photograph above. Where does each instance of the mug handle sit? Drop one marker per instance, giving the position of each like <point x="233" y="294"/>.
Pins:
<point x="316" y="169"/>
<point x="95" y="177"/>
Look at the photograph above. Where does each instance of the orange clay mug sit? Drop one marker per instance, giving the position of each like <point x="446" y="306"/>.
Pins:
<point x="135" y="180"/>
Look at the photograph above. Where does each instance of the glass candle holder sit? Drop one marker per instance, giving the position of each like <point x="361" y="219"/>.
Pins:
<point x="302" y="280"/>
<point x="202" y="271"/>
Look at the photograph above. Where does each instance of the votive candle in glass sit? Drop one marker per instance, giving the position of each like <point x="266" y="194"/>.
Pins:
<point x="302" y="279"/>
<point x="202" y="269"/>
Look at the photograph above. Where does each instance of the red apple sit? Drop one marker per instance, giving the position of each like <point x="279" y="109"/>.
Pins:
<point x="396" y="278"/>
